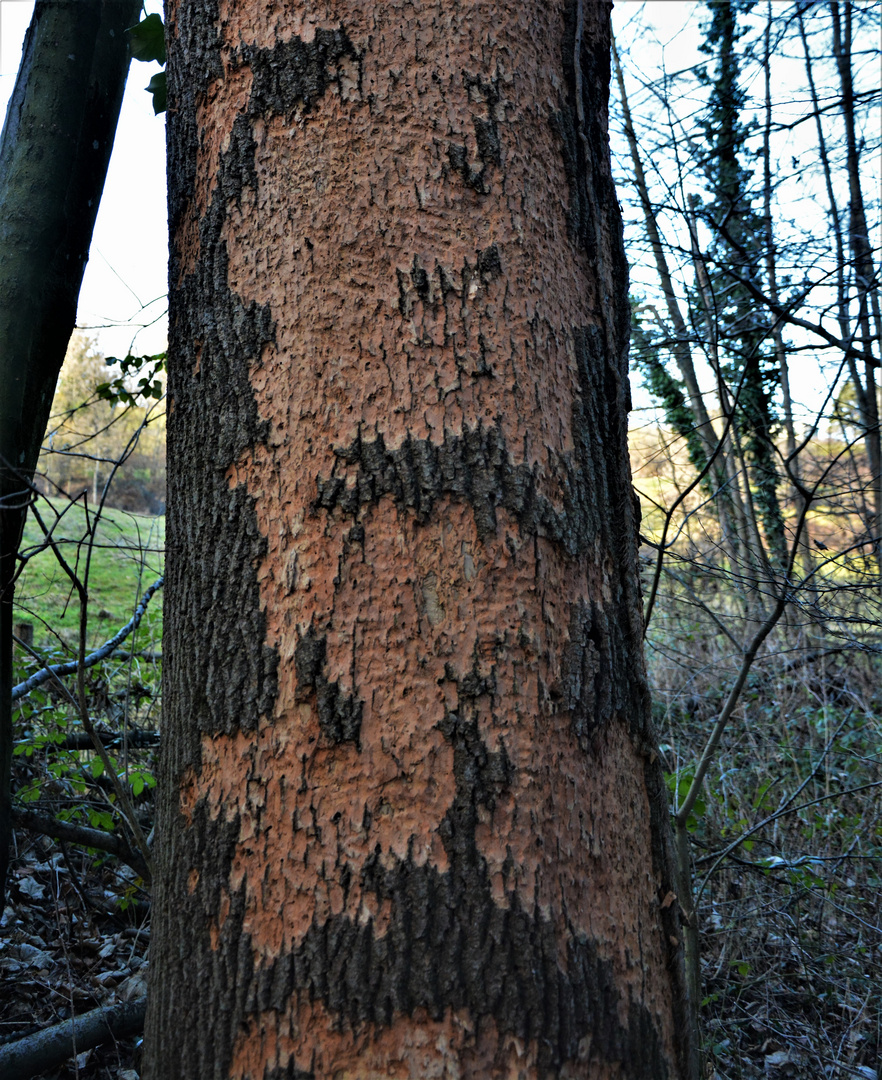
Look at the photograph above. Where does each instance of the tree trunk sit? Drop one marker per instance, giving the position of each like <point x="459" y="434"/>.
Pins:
<point x="54" y="152"/>
<point x="412" y="822"/>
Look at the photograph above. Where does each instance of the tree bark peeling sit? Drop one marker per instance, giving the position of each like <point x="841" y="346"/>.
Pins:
<point x="411" y="824"/>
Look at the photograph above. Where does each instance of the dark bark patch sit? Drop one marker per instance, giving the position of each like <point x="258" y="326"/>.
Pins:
<point x="487" y="138"/>
<point x="420" y="280"/>
<point x="448" y="946"/>
<point x="194" y="63"/>
<point x="594" y="216"/>
<point x="481" y="775"/>
<point x="202" y="1044"/>
<point x="458" y="156"/>
<point x="472" y="684"/>
<point x="585" y="143"/>
<point x="489" y="264"/>
<point x="288" y="1072"/>
<point x="339" y="713"/>
<point x="405" y="306"/>
<point x="588" y="672"/>
<point x="599" y="427"/>
<point x="294" y="72"/>
<point x="224" y="672"/>
<point x="489" y="146"/>
<point x="601" y="437"/>
<point x="237" y="169"/>
<point x="474" y="467"/>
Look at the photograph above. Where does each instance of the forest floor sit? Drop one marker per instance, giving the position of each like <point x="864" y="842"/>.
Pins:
<point x="67" y="948"/>
<point x="787" y="858"/>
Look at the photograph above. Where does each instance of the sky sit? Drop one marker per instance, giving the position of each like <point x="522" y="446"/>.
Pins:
<point x="127" y="262"/>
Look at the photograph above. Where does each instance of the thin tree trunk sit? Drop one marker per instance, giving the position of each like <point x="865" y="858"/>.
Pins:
<point x="752" y="566"/>
<point x="771" y="272"/>
<point x="792" y="460"/>
<point x="411" y="819"/>
<point x="681" y="337"/>
<point x="54" y="152"/>
<point x="864" y="271"/>
<point x="724" y="475"/>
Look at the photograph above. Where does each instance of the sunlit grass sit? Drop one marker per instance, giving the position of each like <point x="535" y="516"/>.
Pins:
<point x="126" y="557"/>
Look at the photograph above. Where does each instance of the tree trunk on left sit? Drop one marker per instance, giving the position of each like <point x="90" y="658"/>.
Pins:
<point x="54" y="152"/>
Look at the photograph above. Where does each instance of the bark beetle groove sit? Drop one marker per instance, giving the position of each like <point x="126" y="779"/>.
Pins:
<point x="433" y="288"/>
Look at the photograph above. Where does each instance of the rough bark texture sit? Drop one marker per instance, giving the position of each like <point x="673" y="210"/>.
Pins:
<point x="412" y="824"/>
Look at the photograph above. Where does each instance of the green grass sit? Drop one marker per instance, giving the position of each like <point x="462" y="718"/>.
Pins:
<point x="126" y="558"/>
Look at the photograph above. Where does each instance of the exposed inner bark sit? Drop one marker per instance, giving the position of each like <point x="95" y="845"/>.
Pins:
<point x="412" y="825"/>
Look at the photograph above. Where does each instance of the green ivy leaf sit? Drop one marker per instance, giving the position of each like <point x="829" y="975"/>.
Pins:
<point x="148" y="39"/>
<point x="116" y="391"/>
<point x="97" y="767"/>
<point x="157" y="87"/>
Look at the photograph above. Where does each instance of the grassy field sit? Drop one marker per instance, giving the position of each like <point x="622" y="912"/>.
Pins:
<point x="126" y="558"/>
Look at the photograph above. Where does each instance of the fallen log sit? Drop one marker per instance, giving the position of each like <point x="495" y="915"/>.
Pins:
<point x="48" y="1049"/>
<point x="81" y="740"/>
<point x="113" y="844"/>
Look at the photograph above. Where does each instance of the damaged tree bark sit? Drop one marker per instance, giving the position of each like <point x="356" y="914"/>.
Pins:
<point x="411" y="817"/>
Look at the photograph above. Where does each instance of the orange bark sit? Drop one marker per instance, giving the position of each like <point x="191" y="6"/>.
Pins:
<point x="412" y="824"/>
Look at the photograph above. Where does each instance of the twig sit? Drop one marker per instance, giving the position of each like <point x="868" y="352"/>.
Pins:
<point x="49" y="825"/>
<point x="79" y="703"/>
<point x="48" y="1049"/>
<point x="69" y="668"/>
<point x="780" y="814"/>
<point x="81" y="741"/>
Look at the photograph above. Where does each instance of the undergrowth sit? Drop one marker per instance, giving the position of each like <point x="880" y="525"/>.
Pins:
<point x="787" y="847"/>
